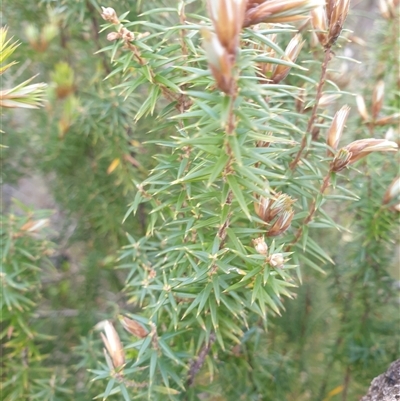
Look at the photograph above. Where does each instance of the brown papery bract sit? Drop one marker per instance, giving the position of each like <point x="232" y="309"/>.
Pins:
<point x="279" y="11"/>
<point x="336" y="129"/>
<point x="227" y="17"/>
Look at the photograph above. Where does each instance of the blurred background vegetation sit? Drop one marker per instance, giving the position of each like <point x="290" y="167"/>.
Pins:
<point x="78" y="157"/>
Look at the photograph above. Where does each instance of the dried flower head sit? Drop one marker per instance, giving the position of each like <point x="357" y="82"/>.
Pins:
<point x="112" y="343"/>
<point x="363" y="147"/>
<point x="281" y="224"/>
<point x="126" y="34"/>
<point x="291" y="53"/>
<point x="341" y="160"/>
<point x="276" y="260"/>
<point x="219" y="61"/>
<point x="274" y="11"/>
<point x="110" y="15"/>
<point x="268" y="207"/>
<point x="227" y="17"/>
<point x="113" y="36"/>
<point x="133" y="327"/>
<point x="260" y="246"/>
<point x="359" y="149"/>
<point x="336" y="129"/>
<point x="337" y="11"/>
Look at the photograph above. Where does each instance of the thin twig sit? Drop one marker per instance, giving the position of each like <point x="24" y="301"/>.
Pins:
<point x="230" y="127"/>
<point x="222" y="231"/>
<point x="95" y="30"/>
<point x="313" y="116"/>
<point x="311" y="211"/>
<point x="198" y="362"/>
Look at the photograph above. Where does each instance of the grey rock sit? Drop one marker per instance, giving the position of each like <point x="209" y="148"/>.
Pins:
<point x="385" y="387"/>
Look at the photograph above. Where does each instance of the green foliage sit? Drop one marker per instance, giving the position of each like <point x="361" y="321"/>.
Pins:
<point x="170" y="173"/>
<point x="25" y="257"/>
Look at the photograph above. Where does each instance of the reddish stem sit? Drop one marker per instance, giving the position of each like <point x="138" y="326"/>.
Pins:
<point x="311" y="212"/>
<point x="311" y="121"/>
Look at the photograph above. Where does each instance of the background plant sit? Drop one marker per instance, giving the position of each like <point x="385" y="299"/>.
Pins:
<point x="196" y="283"/>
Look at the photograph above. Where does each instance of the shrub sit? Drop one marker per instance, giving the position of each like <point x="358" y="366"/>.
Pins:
<point x="258" y="262"/>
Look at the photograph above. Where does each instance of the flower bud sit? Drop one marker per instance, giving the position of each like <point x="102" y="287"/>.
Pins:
<point x="341" y="160"/>
<point x="336" y="128"/>
<point x="219" y="61"/>
<point x="291" y="53"/>
<point x="276" y="260"/>
<point x="110" y="15"/>
<point x="227" y="17"/>
<point x="377" y="99"/>
<point x="133" y="327"/>
<point x="362" y="109"/>
<point x="318" y="18"/>
<point x="112" y="343"/>
<point x="260" y="246"/>
<point x="126" y="34"/>
<point x="113" y="36"/>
